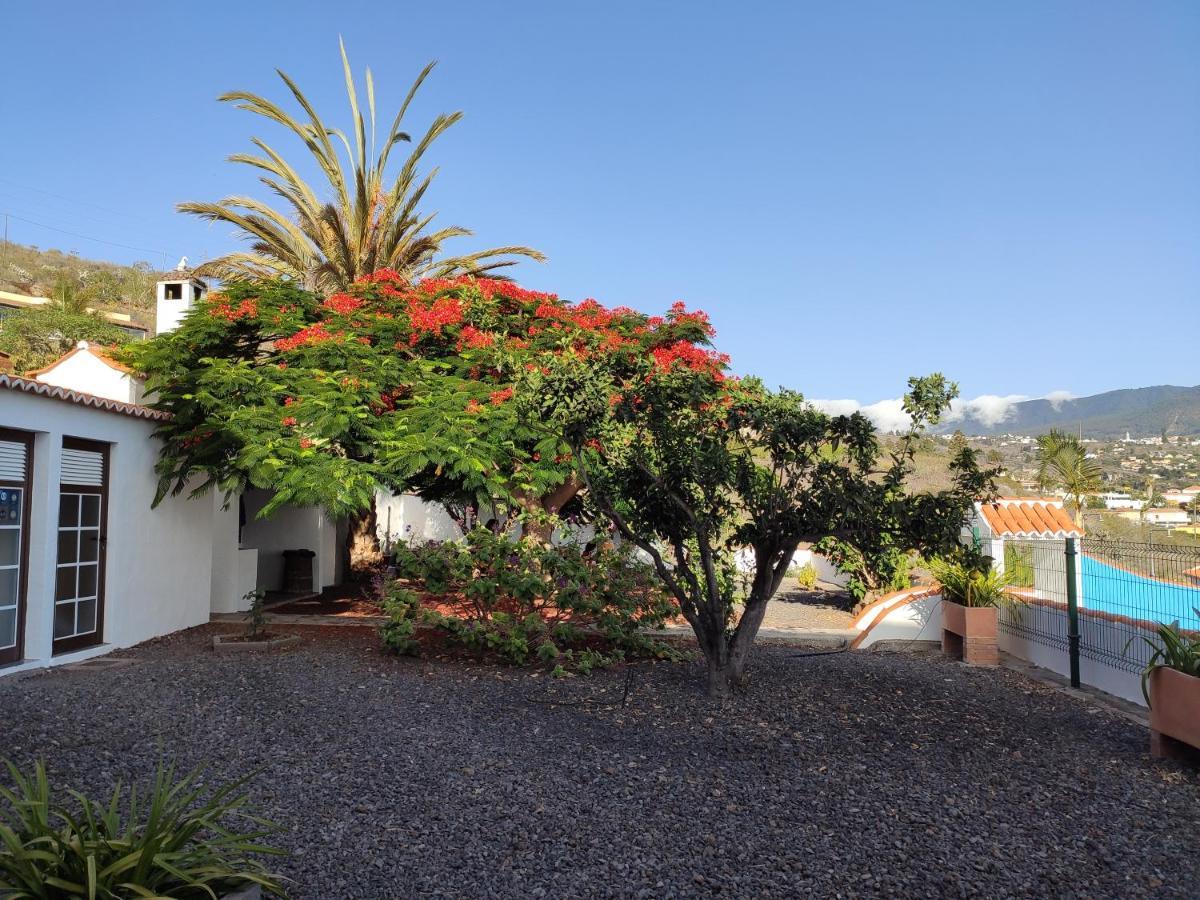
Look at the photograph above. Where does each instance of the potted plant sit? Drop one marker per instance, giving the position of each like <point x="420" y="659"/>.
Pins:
<point x="1171" y="685"/>
<point x="972" y="592"/>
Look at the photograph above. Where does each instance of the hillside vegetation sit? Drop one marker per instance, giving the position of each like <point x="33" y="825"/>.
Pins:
<point x="103" y="285"/>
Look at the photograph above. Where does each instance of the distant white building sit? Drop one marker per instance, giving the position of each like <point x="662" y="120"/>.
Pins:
<point x="1160" y="516"/>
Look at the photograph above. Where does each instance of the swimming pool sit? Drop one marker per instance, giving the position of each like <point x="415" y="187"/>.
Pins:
<point x="1115" y="590"/>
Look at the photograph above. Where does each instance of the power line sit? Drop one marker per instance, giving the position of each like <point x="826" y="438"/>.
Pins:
<point x="75" y="201"/>
<point x="85" y="237"/>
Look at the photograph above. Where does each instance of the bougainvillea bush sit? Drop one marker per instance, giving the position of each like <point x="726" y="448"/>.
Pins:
<point x="572" y="606"/>
<point x="388" y="384"/>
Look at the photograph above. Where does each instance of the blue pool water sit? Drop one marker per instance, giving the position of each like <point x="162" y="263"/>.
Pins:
<point x="1118" y="591"/>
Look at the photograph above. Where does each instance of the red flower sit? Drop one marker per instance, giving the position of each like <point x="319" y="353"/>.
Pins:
<point x="498" y="397"/>
<point x="305" y="443"/>
<point x="474" y="407"/>
<point x="289" y="421"/>
<point x="342" y="303"/>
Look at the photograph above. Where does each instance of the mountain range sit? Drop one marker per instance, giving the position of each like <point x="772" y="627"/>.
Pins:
<point x="1142" y="412"/>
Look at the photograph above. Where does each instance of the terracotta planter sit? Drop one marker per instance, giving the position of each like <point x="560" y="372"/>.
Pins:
<point x="969" y="633"/>
<point x="1174" y="712"/>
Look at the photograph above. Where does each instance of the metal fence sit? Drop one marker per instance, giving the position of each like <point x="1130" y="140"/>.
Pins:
<point x="1096" y="601"/>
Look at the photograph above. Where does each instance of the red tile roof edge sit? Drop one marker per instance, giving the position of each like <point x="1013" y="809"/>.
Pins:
<point x="29" y="386"/>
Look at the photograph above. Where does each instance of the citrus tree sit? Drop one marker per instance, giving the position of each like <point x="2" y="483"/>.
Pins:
<point x="388" y="384"/>
<point x="691" y="466"/>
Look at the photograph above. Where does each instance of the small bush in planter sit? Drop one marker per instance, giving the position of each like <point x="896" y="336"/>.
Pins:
<point x="175" y="839"/>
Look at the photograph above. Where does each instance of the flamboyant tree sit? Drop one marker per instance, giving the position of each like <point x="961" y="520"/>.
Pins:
<point x="387" y="385"/>
<point x="691" y="466"/>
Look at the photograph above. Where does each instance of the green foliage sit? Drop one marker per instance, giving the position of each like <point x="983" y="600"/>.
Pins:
<point x="177" y="838"/>
<point x="879" y="569"/>
<point x="402" y="606"/>
<point x="35" y="272"/>
<point x="1174" y="649"/>
<point x="36" y="337"/>
<point x="256" y="615"/>
<point x="519" y="600"/>
<point x="1018" y="564"/>
<point x="806" y="577"/>
<point x="389" y="385"/>
<point x="1063" y="463"/>
<point x="694" y="465"/>
<point x="970" y="582"/>
<point x="363" y="218"/>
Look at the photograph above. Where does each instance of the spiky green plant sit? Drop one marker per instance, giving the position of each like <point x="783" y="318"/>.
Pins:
<point x="175" y="839"/>
<point x="1174" y="649"/>
<point x="1063" y="463"/>
<point x="970" y="585"/>
<point x="368" y="220"/>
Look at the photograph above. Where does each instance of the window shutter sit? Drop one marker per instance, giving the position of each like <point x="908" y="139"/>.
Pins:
<point x="12" y="461"/>
<point x="82" y="467"/>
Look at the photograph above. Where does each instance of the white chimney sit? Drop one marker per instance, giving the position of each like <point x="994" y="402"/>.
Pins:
<point x="178" y="292"/>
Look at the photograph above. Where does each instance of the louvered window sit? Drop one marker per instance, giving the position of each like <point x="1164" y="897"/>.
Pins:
<point x="82" y="467"/>
<point x="12" y="461"/>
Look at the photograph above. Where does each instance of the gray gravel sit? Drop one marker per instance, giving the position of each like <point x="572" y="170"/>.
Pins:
<point x="852" y="774"/>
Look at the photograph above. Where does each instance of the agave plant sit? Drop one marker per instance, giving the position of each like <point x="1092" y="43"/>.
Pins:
<point x="369" y="221"/>
<point x="1174" y="649"/>
<point x="971" y="585"/>
<point x="173" y="840"/>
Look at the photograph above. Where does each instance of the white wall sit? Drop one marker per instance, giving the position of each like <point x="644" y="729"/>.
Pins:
<point x="234" y="568"/>
<point x="406" y="518"/>
<point x="84" y="372"/>
<point x="159" y="561"/>
<point x="1094" y="631"/>
<point x="290" y="528"/>
<point x="169" y="313"/>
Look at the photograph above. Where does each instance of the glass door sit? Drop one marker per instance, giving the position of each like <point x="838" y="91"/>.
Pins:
<point x="82" y="536"/>
<point x="16" y="461"/>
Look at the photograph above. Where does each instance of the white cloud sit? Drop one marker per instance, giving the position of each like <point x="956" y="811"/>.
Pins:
<point x="987" y="410"/>
<point x="1057" y="398"/>
<point x="886" y="415"/>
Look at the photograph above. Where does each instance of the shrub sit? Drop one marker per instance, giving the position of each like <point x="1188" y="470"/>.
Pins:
<point x="969" y="584"/>
<point x="169" y="841"/>
<point x="521" y="600"/>
<point x="806" y="577"/>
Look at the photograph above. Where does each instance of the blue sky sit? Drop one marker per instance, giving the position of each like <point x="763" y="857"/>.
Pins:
<point x="857" y="192"/>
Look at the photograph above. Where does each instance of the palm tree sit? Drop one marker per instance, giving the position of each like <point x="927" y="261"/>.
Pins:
<point x="1063" y="463"/>
<point x="368" y="225"/>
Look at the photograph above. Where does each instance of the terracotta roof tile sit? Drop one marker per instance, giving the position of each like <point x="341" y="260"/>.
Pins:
<point x="1044" y="518"/>
<point x="29" y="386"/>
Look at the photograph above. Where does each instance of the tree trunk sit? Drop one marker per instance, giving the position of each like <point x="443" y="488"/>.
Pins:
<point x="726" y="676"/>
<point x="361" y="552"/>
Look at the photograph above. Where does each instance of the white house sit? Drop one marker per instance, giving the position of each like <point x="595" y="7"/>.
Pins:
<point x="94" y="368"/>
<point x="1159" y="516"/>
<point x="86" y="563"/>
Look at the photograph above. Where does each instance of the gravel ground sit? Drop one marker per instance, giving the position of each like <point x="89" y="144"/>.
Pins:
<point x="793" y="608"/>
<point x="850" y="774"/>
